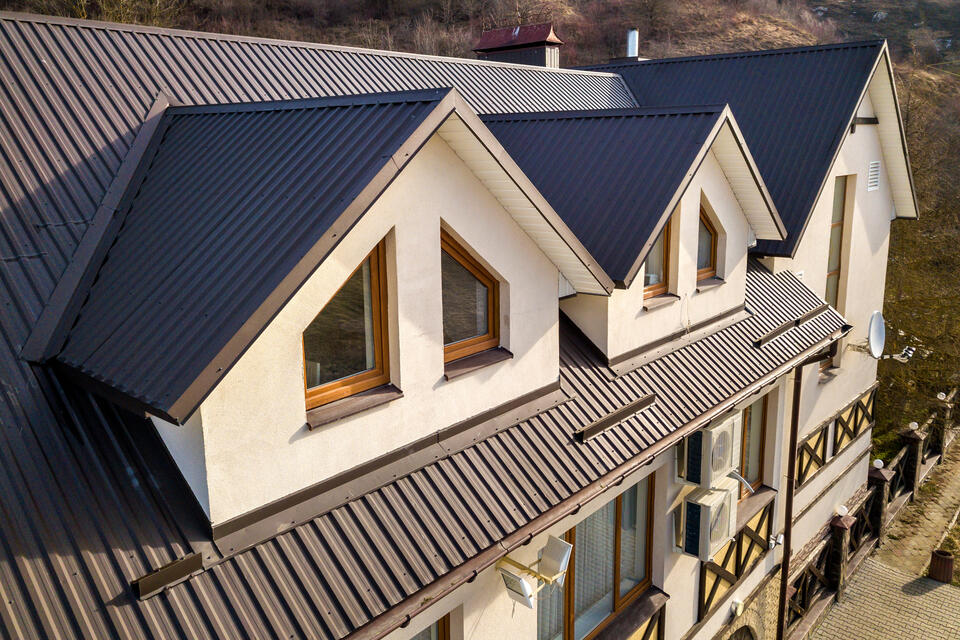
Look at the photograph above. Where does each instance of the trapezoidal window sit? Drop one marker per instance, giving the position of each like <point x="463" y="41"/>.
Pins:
<point x="706" y="248"/>
<point x="470" y="298"/>
<point x="345" y="347"/>
<point x="656" y="266"/>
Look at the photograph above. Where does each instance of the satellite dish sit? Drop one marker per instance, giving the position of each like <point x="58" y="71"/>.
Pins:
<point x="876" y="334"/>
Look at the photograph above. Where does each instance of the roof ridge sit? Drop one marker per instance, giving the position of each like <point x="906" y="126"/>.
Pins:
<point x="186" y="33"/>
<point x="738" y="54"/>
<point x="606" y="113"/>
<point x="294" y="104"/>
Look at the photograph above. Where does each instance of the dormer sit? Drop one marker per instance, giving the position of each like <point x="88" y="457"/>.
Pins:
<point x="668" y="201"/>
<point x="300" y="288"/>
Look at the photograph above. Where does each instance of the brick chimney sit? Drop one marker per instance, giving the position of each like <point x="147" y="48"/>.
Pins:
<point x="526" y="44"/>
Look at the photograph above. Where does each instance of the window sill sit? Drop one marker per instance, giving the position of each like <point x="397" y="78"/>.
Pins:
<point x="469" y="364"/>
<point x="352" y="405"/>
<point x="626" y="623"/>
<point x="753" y="504"/>
<point x="709" y="283"/>
<point x="661" y="300"/>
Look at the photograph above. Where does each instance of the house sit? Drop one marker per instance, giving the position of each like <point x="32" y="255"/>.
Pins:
<point x="313" y="341"/>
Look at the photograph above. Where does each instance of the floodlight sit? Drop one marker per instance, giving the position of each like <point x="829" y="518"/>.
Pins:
<point x="518" y="589"/>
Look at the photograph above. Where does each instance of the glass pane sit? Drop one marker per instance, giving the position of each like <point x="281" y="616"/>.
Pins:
<point x="833" y="261"/>
<point x="839" y="199"/>
<point x="753" y="443"/>
<point x="704" y="247"/>
<point x="833" y="284"/>
<point x="340" y="341"/>
<point x="653" y="266"/>
<point x="593" y="570"/>
<point x="430" y="633"/>
<point x="550" y="613"/>
<point x="633" y="537"/>
<point x="464" y="302"/>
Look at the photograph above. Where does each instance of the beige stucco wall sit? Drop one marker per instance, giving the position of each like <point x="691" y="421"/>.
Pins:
<point x="251" y="437"/>
<point x="619" y="324"/>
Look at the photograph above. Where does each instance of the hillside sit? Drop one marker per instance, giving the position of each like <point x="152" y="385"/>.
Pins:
<point x="923" y="293"/>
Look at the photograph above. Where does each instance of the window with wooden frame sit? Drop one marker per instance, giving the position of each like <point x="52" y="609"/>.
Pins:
<point x="706" y="248"/>
<point x="835" y="251"/>
<point x="345" y="347"/>
<point x="609" y="568"/>
<point x="439" y="630"/>
<point x="656" y="266"/>
<point x="470" y="297"/>
<point x="752" y="445"/>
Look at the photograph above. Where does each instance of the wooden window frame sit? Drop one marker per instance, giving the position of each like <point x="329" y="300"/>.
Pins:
<point x="709" y="271"/>
<point x="443" y="628"/>
<point x="380" y="373"/>
<point x="743" y="447"/>
<point x="662" y="287"/>
<point x="619" y="602"/>
<point x="491" y="339"/>
<point x="828" y="363"/>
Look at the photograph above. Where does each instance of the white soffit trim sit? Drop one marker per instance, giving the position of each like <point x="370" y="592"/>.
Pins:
<point x="728" y="148"/>
<point x="518" y="204"/>
<point x="883" y="95"/>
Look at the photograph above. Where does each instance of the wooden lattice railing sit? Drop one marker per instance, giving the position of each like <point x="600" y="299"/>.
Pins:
<point x="811" y="583"/>
<point x="865" y="528"/>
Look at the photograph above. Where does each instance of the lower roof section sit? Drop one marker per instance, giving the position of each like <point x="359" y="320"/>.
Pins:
<point x="87" y="509"/>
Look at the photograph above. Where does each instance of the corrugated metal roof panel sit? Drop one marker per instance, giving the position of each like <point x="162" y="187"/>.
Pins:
<point x="218" y="244"/>
<point x="793" y="106"/>
<point x="609" y="174"/>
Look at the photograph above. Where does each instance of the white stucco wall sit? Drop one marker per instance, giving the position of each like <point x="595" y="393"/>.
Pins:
<point x="619" y="324"/>
<point x="251" y="443"/>
<point x="863" y="272"/>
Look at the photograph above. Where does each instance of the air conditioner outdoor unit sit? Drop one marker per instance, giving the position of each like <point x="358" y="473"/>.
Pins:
<point x="714" y="452"/>
<point x="710" y="519"/>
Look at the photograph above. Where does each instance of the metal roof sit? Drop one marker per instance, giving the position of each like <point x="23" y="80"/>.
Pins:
<point x="520" y="36"/>
<point x="793" y="105"/>
<point x="234" y="198"/>
<point x="90" y="502"/>
<point x="234" y="206"/>
<point x="615" y="176"/>
<point x="88" y="496"/>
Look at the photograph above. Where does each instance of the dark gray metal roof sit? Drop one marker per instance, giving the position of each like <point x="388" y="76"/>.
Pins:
<point x="609" y="174"/>
<point x="204" y="244"/>
<point x="793" y="106"/>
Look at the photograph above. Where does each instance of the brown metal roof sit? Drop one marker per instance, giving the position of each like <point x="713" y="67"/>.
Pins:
<point x="526" y="35"/>
<point x="90" y="501"/>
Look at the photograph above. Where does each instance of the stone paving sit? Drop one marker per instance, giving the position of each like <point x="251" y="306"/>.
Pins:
<point x="882" y="602"/>
<point x="888" y="597"/>
<point x="908" y="541"/>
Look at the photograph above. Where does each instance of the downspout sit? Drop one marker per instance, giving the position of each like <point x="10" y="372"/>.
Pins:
<point x="791" y="487"/>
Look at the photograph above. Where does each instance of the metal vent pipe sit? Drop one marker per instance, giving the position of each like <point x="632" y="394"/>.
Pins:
<point x="633" y="43"/>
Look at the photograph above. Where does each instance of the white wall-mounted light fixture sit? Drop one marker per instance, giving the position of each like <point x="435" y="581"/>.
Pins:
<point x="878" y="464"/>
<point x="551" y="568"/>
<point x="842" y="510"/>
<point x="736" y="608"/>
